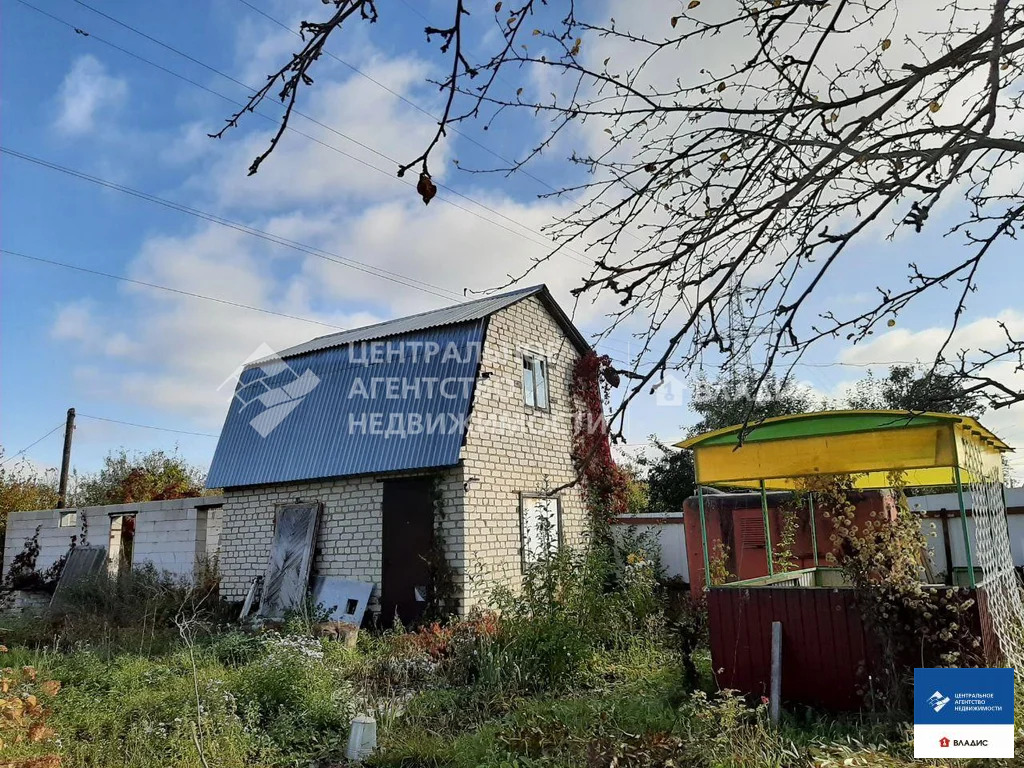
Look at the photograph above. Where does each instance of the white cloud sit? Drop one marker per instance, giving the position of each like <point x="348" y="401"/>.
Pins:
<point x="87" y="95"/>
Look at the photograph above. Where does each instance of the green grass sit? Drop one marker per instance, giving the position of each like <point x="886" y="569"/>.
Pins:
<point x="572" y="675"/>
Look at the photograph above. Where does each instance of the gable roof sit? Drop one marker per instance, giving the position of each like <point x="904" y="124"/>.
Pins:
<point x="478" y="309"/>
<point x="309" y="415"/>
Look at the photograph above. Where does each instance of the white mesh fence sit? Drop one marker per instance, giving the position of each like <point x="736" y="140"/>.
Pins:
<point x="1000" y="584"/>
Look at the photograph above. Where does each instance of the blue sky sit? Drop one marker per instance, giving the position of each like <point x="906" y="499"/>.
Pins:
<point x="132" y="354"/>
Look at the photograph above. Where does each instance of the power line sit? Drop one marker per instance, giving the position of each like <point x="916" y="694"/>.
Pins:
<point x="147" y="426"/>
<point x="167" y="288"/>
<point x="567" y="251"/>
<point x="238" y="226"/>
<point x="384" y="274"/>
<point x="31" y="445"/>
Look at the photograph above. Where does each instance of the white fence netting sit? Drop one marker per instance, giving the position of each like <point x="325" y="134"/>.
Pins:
<point x="1004" y="608"/>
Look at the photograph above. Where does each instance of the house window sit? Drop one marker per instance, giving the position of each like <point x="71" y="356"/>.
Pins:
<point x="68" y="520"/>
<point x="542" y="527"/>
<point x="535" y="381"/>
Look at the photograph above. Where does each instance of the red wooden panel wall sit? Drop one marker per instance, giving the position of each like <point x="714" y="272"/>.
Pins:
<point x="825" y="648"/>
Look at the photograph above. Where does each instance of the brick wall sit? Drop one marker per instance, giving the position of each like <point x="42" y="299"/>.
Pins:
<point x="514" y="449"/>
<point x="168" y="534"/>
<point x="54" y="539"/>
<point x="349" y="538"/>
<point x="510" y="449"/>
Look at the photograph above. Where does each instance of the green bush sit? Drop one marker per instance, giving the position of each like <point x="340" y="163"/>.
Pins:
<point x="571" y="606"/>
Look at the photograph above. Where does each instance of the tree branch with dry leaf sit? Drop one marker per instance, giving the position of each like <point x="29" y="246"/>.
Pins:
<point x="750" y="153"/>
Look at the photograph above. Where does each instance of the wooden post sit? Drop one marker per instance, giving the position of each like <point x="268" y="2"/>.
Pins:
<point x="814" y="528"/>
<point x="776" y="690"/>
<point x="65" y="464"/>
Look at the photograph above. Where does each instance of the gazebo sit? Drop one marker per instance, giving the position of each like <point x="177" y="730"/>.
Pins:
<point x="807" y="615"/>
<point x="775" y="454"/>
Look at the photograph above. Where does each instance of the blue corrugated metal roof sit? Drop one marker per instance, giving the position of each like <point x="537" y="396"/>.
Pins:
<point x="477" y="309"/>
<point x="336" y="410"/>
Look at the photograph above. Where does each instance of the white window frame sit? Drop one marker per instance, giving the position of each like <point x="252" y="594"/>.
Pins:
<point x="537" y="364"/>
<point x="530" y="515"/>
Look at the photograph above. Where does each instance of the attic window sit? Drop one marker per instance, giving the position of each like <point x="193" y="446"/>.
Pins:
<point x="535" y="381"/>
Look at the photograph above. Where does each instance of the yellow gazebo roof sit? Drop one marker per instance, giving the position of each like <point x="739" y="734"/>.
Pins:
<point x="927" y="446"/>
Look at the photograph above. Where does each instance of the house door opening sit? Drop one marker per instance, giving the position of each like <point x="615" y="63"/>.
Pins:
<point x="406" y="538"/>
<point x="121" y="545"/>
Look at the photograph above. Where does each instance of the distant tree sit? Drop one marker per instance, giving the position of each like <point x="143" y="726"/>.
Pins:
<point x="746" y="400"/>
<point x="22" y="488"/>
<point x="912" y="388"/>
<point x="670" y="477"/>
<point x="637" y="491"/>
<point x="723" y="403"/>
<point x="133" y="477"/>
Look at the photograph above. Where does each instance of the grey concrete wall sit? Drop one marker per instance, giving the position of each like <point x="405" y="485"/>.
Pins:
<point x="166" y="532"/>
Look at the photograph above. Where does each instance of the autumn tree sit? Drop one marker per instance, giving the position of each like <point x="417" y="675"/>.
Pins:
<point x="724" y="402"/>
<point x="745" y="148"/>
<point x="911" y="388"/>
<point x="22" y="488"/>
<point x="133" y="477"/>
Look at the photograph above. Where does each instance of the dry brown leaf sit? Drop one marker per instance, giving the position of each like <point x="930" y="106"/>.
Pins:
<point x="934" y="107"/>
<point x="886" y="43"/>
<point x="29" y="672"/>
<point x="693" y="4"/>
<point x="721" y="87"/>
<point x="497" y="6"/>
<point x="673" y="21"/>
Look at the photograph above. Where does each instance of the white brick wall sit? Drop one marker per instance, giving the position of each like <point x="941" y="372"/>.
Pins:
<point x="510" y="448"/>
<point x="514" y="449"/>
<point x="349" y="538"/>
<point x="166" y="532"/>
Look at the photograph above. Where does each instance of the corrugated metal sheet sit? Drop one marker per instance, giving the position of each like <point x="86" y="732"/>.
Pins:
<point x="436" y="318"/>
<point x="316" y="438"/>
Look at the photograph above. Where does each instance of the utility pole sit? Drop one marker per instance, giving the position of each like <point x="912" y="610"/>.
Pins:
<point x="65" y="464"/>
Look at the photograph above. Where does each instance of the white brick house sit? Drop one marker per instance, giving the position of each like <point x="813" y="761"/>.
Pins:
<point x="398" y="444"/>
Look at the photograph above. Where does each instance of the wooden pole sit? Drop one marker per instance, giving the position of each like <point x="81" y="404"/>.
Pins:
<point x="774" y="702"/>
<point x="65" y="464"/>
<point x="814" y="528"/>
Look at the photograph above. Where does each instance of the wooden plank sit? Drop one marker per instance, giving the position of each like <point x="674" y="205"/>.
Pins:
<point x="776" y="683"/>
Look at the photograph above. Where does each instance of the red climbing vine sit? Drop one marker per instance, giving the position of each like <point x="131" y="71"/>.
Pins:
<point x="602" y="480"/>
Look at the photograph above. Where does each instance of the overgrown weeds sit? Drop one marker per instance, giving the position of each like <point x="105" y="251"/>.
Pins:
<point x="593" y="662"/>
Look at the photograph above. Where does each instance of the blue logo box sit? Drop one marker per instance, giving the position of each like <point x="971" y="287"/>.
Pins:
<point x="963" y="696"/>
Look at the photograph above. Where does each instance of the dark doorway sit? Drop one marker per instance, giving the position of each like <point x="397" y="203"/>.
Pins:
<point x="408" y="529"/>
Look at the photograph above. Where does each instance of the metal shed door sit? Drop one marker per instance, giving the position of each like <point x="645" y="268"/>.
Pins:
<point x="408" y="528"/>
